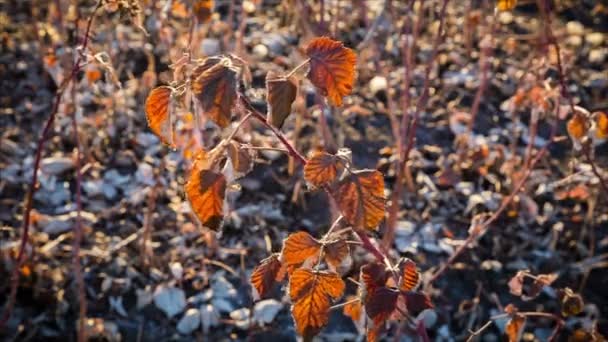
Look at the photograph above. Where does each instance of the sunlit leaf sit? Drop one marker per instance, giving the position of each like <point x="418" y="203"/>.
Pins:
<point x="353" y="309"/>
<point x="322" y="168"/>
<point x="577" y="126"/>
<point x="266" y="274"/>
<point x="601" y="125"/>
<point x="311" y="293"/>
<point x="206" y="190"/>
<point x="298" y="247"/>
<point x="373" y="276"/>
<point x="506" y="5"/>
<point x="158" y="114"/>
<point x="515" y="327"/>
<point x="360" y="197"/>
<point x="332" y="68"/>
<point x="409" y="275"/>
<point x="280" y="94"/>
<point x="215" y="88"/>
<point x="335" y="252"/>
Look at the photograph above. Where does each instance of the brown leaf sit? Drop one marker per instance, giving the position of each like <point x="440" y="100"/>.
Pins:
<point x="373" y="276"/>
<point x="416" y="302"/>
<point x="206" y="190"/>
<point x="266" y="274"/>
<point x="240" y="157"/>
<point x="335" y="252"/>
<point x="572" y="303"/>
<point x="515" y="327"/>
<point x="332" y="68"/>
<point x="409" y="275"/>
<point x="322" y="168"/>
<point x="215" y="88"/>
<point x="280" y="94"/>
<point x="158" y="114"/>
<point x="311" y="293"/>
<point x="203" y="9"/>
<point x="360" y="197"/>
<point x="577" y="126"/>
<point x="380" y="304"/>
<point x="298" y="247"/>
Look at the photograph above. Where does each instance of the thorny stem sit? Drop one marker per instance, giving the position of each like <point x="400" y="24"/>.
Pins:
<point x="409" y="130"/>
<point x="29" y="197"/>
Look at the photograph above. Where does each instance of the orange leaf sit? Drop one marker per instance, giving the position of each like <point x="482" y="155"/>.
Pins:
<point x="332" y="68"/>
<point x="215" y="87"/>
<point x="601" y="125"/>
<point x="206" y="190"/>
<point x="577" y="126"/>
<point x="515" y="327"/>
<point x="373" y="276"/>
<point x="298" y="247"/>
<point x="353" y="309"/>
<point x="409" y="275"/>
<point x="158" y="114"/>
<point x="266" y="274"/>
<point x="322" y="168"/>
<point x="280" y="94"/>
<point x="360" y="197"/>
<point x="506" y="5"/>
<point x="311" y="293"/>
<point x="336" y="252"/>
<point x="203" y="9"/>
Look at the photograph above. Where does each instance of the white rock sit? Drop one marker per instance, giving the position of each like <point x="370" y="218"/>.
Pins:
<point x="177" y="270"/>
<point x="429" y="317"/>
<point x="378" y="83"/>
<point x="597" y="56"/>
<point x="595" y="38"/>
<point x="506" y="17"/>
<point x="56" y="165"/>
<point x="260" y="51"/>
<point x="575" y="28"/>
<point x="210" y="47"/>
<point x="190" y="322"/>
<point x="266" y="310"/>
<point x="144" y="297"/>
<point x="574" y="41"/>
<point x="171" y="300"/>
<point x="241" y="318"/>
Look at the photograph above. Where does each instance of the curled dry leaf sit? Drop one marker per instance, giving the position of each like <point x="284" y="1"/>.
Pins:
<point x="601" y="125"/>
<point x="515" y="327"/>
<point x="206" y="190"/>
<point x="240" y="157"/>
<point x="280" y="93"/>
<point x="298" y="247"/>
<point x="215" y="87"/>
<point x="266" y="274"/>
<point x="506" y="5"/>
<point x="572" y="303"/>
<point x="360" y="197"/>
<point x="409" y="275"/>
<point x="158" y="114"/>
<point x="335" y="252"/>
<point x="322" y="168"/>
<point x="311" y="293"/>
<point x="332" y="68"/>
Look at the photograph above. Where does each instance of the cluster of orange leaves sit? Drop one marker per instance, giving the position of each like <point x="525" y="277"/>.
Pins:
<point x="311" y="265"/>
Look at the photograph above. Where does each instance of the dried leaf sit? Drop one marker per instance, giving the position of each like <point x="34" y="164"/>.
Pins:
<point x="380" y="304"/>
<point x="577" y="126"/>
<point x="601" y="125"/>
<point x="158" y="114"/>
<point x="335" y="252"/>
<point x="332" y="68"/>
<point x="572" y="303"/>
<point x="298" y="247"/>
<point x="240" y="157"/>
<point x="215" y="88"/>
<point x="280" y="94"/>
<point x="516" y="283"/>
<point x="373" y="276"/>
<point x="541" y="281"/>
<point x="353" y="309"/>
<point x="203" y="9"/>
<point x="322" y="168"/>
<point x="416" y="302"/>
<point x="311" y="293"/>
<point x="360" y="197"/>
<point x="515" y="327"/>
<point x="409" y="275"/>
<point x="266" y="274"/>
<point x="206" y="190"/>
<point x="506" y="5"/>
